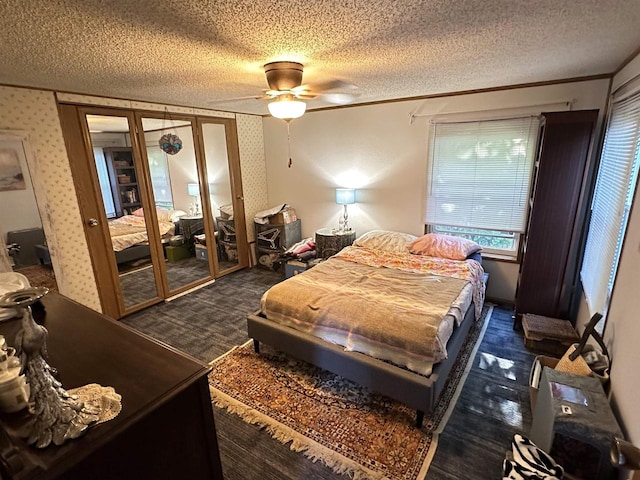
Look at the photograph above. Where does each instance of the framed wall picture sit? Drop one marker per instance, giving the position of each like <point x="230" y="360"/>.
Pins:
<point x="12" y="154"/>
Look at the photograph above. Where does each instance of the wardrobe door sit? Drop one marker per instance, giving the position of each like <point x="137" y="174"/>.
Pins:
<point x="150" y="205"/>
<point x="175" y="174"/>
<point x="110" y="183"/>
<point x="229" y="247"/>
<point x="549" y="265"/>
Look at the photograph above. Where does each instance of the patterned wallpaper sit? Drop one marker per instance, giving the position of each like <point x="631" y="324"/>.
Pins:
<point x="254" y="168"/>
<point x="36" y="112"/>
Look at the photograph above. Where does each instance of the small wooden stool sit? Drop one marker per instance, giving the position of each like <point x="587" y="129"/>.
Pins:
<point x="549" y="335"/>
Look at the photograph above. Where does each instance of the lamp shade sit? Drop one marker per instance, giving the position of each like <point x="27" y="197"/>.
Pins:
<point x="193" y="189"/>
<point x="287" y="108"/>
<point x="345" y="196"/>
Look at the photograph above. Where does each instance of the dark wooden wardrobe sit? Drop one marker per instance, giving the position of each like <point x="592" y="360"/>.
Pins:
<point x="558" y="208"/>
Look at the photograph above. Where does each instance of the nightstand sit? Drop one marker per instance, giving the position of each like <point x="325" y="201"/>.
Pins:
<point x="190" y="226"/>
<point x="330" y="241"/>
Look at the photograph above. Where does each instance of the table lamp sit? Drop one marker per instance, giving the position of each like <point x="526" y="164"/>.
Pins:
<point x="194" y="191"/>
<point x="345" y="196"/>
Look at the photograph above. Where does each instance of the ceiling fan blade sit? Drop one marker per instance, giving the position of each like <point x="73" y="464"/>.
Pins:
<point x="306" y="95"/>
<point x="331" y="85"/>
<point x="339" y="98"/>
<point x="334" y="91"/>
<point x="237" y="99"/>
<point x="284" y="79"/>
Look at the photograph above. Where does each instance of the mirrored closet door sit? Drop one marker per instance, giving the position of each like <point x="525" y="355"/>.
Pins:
<point x="161" y="200"/>
<point x="177" y="196"/>
<point x="226" y="207"/>
<point x="119" y="177"/>
<point x="22" y="236"/>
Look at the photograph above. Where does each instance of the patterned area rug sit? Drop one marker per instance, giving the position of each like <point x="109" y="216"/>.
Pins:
<point x="40" y="276"/>
<point x="331" y="419"/>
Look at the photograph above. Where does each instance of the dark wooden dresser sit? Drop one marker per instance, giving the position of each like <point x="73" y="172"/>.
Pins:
<point x="166" y="427"/>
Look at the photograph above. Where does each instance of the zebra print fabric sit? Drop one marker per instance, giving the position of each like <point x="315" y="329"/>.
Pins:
<point x="530" y="463"/>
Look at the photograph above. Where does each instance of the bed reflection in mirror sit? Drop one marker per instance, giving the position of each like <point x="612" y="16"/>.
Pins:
<point x="217" y="161"/>
<point x="118" y="176"/>
<point x="176" y="191"/>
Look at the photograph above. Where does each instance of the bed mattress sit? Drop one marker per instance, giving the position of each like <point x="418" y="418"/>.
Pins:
<point x="131" y="230"/>
<point x="396" y="307"/>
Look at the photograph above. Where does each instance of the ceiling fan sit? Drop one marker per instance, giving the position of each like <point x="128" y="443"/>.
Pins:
<point x="287" y="91"/>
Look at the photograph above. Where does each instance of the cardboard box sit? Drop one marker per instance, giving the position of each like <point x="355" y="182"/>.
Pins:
<point x="201" y="252"/>
<point x="286" y="215"/>
<point x="539" y="363"/>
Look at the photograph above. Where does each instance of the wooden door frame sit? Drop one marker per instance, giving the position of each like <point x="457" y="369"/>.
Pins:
<point x="83" y="170"/>
<point x="235" y="179"/>
<point x="85" y="175"/>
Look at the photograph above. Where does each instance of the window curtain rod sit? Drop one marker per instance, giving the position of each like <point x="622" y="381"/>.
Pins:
<point x="497" y="114"/>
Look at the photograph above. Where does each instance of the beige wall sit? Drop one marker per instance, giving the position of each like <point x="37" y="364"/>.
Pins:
<point x="254" y="169"/>
<point x="36" y="112"/>
<point x="386" y="157"/>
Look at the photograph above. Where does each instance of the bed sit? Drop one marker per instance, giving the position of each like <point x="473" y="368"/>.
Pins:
<point x="129" y="236"/>
<point x="379" y="315"/>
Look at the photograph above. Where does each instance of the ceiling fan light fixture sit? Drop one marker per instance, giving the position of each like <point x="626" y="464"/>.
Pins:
<point x="287" y="108"/>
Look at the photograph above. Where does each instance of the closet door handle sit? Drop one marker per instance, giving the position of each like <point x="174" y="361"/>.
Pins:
<point x="240" y="197"/>
<point x="92" y="222"/>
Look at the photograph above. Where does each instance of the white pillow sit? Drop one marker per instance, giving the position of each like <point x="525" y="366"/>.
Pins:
<point x="176" y="214"/>
<point x="169" y="215"/>
<point x="387" y="241"/>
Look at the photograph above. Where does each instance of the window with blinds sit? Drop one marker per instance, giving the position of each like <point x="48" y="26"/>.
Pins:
<point x="105" y="184"/>
<point x="615" y="184"/>
<point x="479" y="180"/>
<point x="160" y="179"/>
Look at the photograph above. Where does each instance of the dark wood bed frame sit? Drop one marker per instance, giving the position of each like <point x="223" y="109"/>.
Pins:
<point x="412" y="389"/>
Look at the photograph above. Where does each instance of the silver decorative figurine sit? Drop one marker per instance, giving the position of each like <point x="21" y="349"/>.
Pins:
<point x="57" y="416"/>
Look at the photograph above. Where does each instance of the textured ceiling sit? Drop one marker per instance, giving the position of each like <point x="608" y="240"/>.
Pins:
<point x="198" y="52"/>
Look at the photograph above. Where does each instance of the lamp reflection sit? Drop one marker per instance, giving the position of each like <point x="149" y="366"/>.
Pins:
<point x="493" y="403"/>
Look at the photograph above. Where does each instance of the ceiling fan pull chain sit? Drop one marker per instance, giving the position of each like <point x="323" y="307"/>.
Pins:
<point x="289" y="142"/>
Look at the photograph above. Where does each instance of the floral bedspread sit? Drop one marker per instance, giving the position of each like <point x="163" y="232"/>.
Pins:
<point x="469" y="270"/>
<point x="396" y="307"/>
<point x="130" y="230"/>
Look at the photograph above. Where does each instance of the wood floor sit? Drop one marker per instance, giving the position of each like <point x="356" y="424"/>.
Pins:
<point x="494" y="403"/>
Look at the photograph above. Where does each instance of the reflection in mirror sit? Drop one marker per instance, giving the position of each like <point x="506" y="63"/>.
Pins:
<point x="118" y="178"/>
<point x="19" y="216"/>
<point x="176" y="191"/>
<point x="215" y="147"/>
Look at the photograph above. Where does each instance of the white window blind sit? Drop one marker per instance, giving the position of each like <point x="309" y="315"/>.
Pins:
<point x="160" y="179"/>
<point x="105" y="185"/>
<point x="612" y="199"/>
<point x="480" y="173"/>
